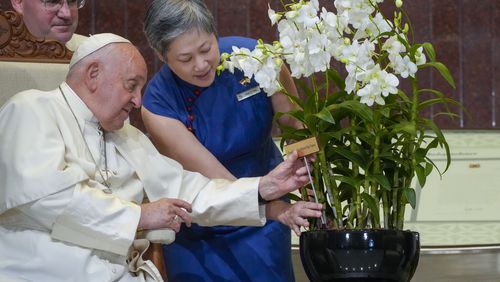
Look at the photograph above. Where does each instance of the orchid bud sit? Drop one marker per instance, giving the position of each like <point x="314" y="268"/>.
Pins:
<point x="397" y="19"/>
<point x="219" y="69"/>
<point x="399" y="3"/>
<point x="273" y="16"/>
<point x="296" y="6"/>
<point x="406" y="28"/>
<point x="278" y="61"/>
<point x="277" y="46"/>
<point x="224" y="56"/>
<point x="347" y="41"/>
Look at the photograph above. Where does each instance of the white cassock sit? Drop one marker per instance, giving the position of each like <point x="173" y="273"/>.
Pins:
<point x="57" y="223"/>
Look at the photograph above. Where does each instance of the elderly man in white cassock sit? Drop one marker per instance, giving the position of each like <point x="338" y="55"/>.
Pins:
<point x="73" y="175"/>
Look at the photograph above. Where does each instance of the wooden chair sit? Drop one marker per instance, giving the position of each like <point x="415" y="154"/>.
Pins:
<point x="30" y="63"/>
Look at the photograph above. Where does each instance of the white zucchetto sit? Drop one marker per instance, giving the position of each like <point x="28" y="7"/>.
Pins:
<point x="94" y="43"/>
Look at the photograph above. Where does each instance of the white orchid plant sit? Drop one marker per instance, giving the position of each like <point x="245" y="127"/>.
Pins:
<point x="372" y="137"/>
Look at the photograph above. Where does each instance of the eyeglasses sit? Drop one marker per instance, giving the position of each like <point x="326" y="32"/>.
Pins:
<point x="54" y="5"/>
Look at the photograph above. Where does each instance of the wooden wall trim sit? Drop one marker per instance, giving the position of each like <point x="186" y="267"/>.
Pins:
<point x="17" y="44"/>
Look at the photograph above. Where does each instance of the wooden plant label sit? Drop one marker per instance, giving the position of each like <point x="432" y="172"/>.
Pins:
<point x="304" y="147"/>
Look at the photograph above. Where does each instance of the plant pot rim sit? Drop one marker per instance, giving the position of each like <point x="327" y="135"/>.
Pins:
<point x="369" y="230"/>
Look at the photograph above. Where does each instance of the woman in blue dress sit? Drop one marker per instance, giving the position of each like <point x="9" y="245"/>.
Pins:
<point x="220" y="126"/>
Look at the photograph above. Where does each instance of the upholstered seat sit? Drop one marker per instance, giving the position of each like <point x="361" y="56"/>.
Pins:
<point x="27" y="62"/>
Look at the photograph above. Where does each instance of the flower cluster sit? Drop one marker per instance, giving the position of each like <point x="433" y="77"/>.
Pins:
<point x="373" y="49"/>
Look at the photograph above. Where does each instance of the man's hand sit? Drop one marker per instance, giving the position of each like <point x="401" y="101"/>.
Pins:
<point x="165" y="213"/>
<point x="286" y="177"/>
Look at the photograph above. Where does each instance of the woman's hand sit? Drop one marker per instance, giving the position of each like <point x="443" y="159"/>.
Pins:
<point x="293" y="215"/>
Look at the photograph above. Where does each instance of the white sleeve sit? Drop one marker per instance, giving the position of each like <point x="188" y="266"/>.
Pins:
<point x="87" y="217"/>
<point x="214" y="202"/>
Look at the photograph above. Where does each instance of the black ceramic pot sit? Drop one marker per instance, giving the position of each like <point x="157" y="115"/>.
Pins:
<point x="360" y="255"/>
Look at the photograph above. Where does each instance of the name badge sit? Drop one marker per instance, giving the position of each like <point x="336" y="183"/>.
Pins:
<point x="248" y="93"/>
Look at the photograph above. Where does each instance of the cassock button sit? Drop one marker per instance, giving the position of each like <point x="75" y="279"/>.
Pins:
<point x="197" y="92"/>
<point x="189" y="108"/>
<point x="191" y="117"/>
<point x="190" y="100"/>
<point x="190" y="128"/>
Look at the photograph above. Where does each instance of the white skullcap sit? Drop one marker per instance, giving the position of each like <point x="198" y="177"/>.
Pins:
<point x="94" y="43"/>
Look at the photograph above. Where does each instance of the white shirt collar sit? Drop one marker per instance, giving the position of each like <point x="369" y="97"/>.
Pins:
<point x="80" y="109"/>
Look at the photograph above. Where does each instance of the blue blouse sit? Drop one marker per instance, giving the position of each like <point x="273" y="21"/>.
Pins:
<point x="232" y="118"/>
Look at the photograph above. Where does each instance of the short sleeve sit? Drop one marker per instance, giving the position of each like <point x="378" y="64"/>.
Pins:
<point x="160" y="96"/>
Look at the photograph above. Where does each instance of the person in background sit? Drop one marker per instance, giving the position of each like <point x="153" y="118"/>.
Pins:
<point x="220" y="126"/>
<point x="73" y="176"/>
<point x="50" y="19"/>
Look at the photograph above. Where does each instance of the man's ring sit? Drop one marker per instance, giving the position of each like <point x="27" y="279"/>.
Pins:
<point x="176" y="218"/>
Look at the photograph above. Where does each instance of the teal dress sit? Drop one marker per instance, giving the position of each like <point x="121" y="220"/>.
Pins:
<point x="232" y="118"/>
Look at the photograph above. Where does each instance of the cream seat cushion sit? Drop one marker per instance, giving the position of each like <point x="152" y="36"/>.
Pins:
<point x="19" y="76"/>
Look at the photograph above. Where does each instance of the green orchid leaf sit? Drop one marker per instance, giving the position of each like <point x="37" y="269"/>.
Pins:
<point x="323" y="139"/>
<point x="443" y="101"/>
<point x="294" y="197"/>
<point x="284" y="128"/>
<point x="325" y="115"/>
<point x="296" y="114"/>
<point x="385" y="112"/>
<point x="429" y="51"/>
<point x="304" y="86"/>
<point x="295" y="100"/>
<point x="403" y="96"/>
<point x="442" y="142"/>
<point x="430" y="102"/>
<point x="297" y="135"/>
<point x="351" y="156"/>
<point x="450" y="115"/>
<point x="334" y="75"/>
<point x="385" y="34"/>
<point x="434" y="166"/>
<point x="403" y="41"/>
<point x="433" y="144"/>
<point x="382" y="180"/>
<point x="411" y="197"/>
<point x="432" y="91"/>
<point x="353" y="182"/>
<point x="420" y="171"/>
<point x="443" y="70"/>
<point x="336" y="97"/>
<point x="372" y="204"/>
<point x="428" y="169"/>
<point x="404" y="127"/>
<point x="310" y="106"/>
<point x="360" y="110"/>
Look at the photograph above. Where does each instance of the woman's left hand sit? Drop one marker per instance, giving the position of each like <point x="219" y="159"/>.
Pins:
<point x="295" y="215"/>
